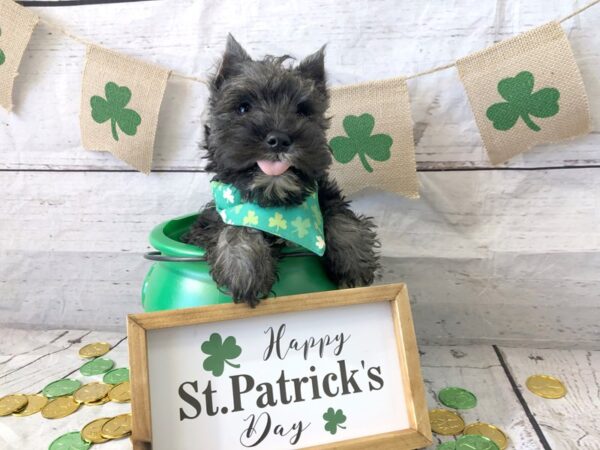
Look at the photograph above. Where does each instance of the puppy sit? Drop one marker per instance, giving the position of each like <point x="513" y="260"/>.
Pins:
<point x="266" y="136"/>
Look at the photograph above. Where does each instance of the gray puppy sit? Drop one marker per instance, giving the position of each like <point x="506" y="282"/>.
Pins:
<point x="266" y="136"/>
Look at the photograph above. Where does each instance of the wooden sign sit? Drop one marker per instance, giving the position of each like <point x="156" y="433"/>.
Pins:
<point x="337" y="369"/>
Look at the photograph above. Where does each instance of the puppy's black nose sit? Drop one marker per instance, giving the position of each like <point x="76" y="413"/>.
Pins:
<point x="278" y="140"/>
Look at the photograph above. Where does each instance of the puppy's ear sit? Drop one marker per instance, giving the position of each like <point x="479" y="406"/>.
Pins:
<point x="313" y="67"/>
<point x="232" y="58"/>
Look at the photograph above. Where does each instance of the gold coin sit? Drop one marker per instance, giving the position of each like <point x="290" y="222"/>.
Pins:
<point x="94" y="350"/>
<point x="489" y="431"/>
<point x="59" y="408"/>
<point x="91" y="432"/>
<point x="121" y="393"/>
<point x="102" y="401"/>
<point x="117" y="427"/>
<point x="12" y="403"/>
<point x="35" y="403"/>
<point x="445" y="422"/>
<point x="546" y="386"/>
<point x="91" y="392"/>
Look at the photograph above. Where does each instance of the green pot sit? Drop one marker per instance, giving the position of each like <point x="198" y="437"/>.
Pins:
<point x="180" y="278"/>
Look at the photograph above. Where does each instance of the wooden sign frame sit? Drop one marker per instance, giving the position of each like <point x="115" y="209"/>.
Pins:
<point x="417" y="436"/>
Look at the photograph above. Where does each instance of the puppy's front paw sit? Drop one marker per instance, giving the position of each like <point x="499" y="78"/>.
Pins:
<point x="350" y="256"/>
<point x="243" y="265"/>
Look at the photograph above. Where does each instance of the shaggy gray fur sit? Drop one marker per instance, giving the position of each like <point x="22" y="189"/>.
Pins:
<point x="249" y="102"/>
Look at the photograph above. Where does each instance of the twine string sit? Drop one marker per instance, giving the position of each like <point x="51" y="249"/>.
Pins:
<point x="433" y="70"/>
<point x="452" y="64"/>
<point x="65" y="32"/>
<point x="190" y="77"/>
<point x="58" y="29"/>
<point x="579" y="11"/>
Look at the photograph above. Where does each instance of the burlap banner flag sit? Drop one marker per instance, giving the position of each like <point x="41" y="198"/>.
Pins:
<point x="16" y="26"/>
<point x="526" y="91"/>
<point x="371" y="136"/>
<point x="120" y="101"/>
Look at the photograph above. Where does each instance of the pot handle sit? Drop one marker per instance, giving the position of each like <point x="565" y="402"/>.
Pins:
<point x="158" y="256"/>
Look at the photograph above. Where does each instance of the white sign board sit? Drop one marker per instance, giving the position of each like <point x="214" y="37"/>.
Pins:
<point x="291" y="379"/>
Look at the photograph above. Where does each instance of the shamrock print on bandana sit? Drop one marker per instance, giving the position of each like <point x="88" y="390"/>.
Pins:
<point x="301" y="226"/>
<point x="320" y="242"/>
<point x="277" y="222"/>
<point x="228" y="195"/>
<point x="250" y="219"/>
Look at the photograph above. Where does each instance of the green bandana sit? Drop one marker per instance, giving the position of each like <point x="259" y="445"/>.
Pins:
<point x="302" y="224"/>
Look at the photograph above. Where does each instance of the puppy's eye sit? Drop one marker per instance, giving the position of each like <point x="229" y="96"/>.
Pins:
<point x="303" y="109"/>
<point x="243" y="108"/>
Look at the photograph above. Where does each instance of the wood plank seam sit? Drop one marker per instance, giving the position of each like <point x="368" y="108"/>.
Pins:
<point x="425" y="170"/>
<point x="34" y="349"/>
<point x="40" y="3"/>
<point x="44" y="356"/>
<point x="521" y="399"/>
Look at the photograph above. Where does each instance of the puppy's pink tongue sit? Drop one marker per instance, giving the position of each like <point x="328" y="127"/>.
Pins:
<point x="273" y="167"/>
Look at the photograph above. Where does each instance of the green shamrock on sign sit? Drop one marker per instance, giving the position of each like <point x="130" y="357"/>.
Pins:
<point x="360" y="142"/>
<point x="522" y="102"/>
<point x="333" y="419"/>
<point x="219" y="352"/>
<point x="113" y="108"/>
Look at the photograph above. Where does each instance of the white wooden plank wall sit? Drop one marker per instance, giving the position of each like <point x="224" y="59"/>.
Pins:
<point x="508" y="254"/>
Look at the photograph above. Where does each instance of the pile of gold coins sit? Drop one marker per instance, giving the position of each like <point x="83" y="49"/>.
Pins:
<point x="480" y="435"/>
<point x="63" y="397"/>
<point x="107" y="428"/>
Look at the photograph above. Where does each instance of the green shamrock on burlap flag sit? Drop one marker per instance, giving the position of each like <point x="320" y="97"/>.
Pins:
<point x="113" y="108"/>
<point x="526" y="91"/>
<point x="360" y="142"/>
<point x="522" y="102"/>
<point x="120" y="103"/>
<point x="16" y="27"/>
<point x="333" y="420"/>
<point x="2" y="55"/>
<point x="220" y="352"/>
<point x="371" y="137"/>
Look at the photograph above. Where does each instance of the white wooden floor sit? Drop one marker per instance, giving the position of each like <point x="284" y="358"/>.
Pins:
<point x="31" y="359"/>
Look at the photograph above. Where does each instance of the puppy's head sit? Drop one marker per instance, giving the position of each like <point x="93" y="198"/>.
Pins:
<point x="266" y="125"/>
